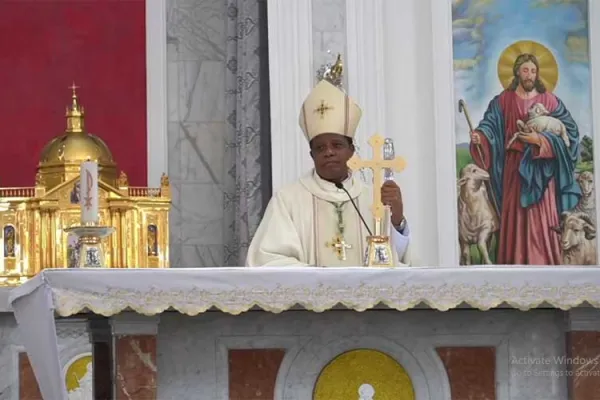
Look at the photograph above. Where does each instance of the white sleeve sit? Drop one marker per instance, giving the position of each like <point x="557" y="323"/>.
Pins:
<point x="276" y="241"/>
<point x="401" y="243"/>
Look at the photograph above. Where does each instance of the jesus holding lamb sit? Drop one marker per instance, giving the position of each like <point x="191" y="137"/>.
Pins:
<point x="531" y="173"/>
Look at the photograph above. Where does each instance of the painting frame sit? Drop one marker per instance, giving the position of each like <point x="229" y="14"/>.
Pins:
<point x="444" y="106"/>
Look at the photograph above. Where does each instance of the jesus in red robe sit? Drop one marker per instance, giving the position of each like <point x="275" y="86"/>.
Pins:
<point x="533" y="180"/>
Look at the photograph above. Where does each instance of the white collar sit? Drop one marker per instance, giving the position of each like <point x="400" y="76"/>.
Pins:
<point x="327" y="190"/>
<point x="329" y="186"/>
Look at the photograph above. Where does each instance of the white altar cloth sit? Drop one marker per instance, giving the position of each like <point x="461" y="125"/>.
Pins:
<point x="107" y="292"/>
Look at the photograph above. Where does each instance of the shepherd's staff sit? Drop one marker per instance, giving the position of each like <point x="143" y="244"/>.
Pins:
<point x="462" y="108"/>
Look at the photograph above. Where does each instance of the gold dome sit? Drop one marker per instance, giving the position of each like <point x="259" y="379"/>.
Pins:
<point x="62" y="156"/>
<point x="71" y="148"/>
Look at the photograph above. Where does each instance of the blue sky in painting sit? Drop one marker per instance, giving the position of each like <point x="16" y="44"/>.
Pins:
<point x="482" y="29"/>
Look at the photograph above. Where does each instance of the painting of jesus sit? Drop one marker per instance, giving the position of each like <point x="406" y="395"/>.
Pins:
<point x="523" y="128"/>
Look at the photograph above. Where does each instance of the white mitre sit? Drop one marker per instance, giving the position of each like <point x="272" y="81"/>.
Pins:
<point x="327" y="109"/>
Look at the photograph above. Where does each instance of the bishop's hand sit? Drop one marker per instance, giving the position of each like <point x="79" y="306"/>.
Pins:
<point x="392" y="196"/>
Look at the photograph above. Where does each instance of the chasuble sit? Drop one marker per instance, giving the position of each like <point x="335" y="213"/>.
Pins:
<point x="313" y="223"/>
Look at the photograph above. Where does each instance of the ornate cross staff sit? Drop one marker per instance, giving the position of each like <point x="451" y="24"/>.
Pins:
<point x="379" y="249"/>
<point x="378" y="164"/>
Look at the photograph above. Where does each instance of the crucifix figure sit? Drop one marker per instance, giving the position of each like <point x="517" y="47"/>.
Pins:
<point x="378" y="165"/>
<point x="340" y="246"/>
<point x="323" y="108"/>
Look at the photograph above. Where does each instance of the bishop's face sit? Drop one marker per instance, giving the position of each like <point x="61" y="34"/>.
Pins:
<point x="330" y="153"/>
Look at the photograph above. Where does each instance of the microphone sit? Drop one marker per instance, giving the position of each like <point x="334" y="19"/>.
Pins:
<point x="340" y="186"/>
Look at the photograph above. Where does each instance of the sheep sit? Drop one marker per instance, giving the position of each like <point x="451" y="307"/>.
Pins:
<point x="539" y="120"/>
<point x="477" y="219"/>
<point x="587" y="203"/>
<point x="578" y="234"/>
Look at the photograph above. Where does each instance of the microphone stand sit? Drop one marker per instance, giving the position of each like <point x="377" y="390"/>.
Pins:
<point x="341" y="186"/>
<point x="379" y="250"/>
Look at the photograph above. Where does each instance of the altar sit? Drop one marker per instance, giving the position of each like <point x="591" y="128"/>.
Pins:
<point x="301" y="333"/>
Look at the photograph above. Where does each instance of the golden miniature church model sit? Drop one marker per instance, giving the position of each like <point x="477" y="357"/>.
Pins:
<point x="33" y="219"/>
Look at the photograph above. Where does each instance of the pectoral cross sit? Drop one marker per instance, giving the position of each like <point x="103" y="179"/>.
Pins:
<point x="322" y="109"/>
<point x="378" y="164"/>
<point x="339" y="245"/>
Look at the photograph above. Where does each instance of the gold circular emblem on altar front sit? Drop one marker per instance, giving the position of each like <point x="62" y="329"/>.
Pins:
<point x="363" y="374"/>
<point x="78" y="373"/>
<point x="548" y="67"/>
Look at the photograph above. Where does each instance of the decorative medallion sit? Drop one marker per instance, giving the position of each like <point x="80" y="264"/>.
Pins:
<point x="78" y="377"/>
<point x="363" y="374"/>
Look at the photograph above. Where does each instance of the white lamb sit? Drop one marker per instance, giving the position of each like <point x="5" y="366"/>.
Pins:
<point x="539" y="120"/>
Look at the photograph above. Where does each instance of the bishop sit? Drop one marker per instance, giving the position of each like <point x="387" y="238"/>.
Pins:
<point x="313" y="221"/>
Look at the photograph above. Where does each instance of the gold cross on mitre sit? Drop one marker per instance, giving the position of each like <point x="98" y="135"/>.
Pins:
<point x="378" y="164"/>
<point x="340" y="246"/>
<point x="323" y="108"/>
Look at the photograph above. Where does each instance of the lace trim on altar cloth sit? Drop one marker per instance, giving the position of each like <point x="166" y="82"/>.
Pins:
<point x="320" y="298"/>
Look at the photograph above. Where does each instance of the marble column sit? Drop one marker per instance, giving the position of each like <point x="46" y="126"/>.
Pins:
<point x="134" y="349"/>
<point x="196" y="53"/>
<point x="101" y="340"/>
<point x="583" y="354"/>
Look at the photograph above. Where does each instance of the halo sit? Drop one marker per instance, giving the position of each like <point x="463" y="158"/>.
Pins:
<point x="548" y="66"/>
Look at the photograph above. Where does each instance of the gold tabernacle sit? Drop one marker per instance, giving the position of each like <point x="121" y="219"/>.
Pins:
<point x="34" y="219"/>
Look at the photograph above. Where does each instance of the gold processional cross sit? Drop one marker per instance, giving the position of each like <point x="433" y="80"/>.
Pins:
<point x="377" y="164"/>
<point x="323" y="108"/>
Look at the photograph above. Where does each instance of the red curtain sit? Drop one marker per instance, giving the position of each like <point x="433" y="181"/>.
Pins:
<point x="47" y="45"/>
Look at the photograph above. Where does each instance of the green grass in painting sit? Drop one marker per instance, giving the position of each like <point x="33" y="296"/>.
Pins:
<point x="463" y="157"/>
<point x="585" y="166"/>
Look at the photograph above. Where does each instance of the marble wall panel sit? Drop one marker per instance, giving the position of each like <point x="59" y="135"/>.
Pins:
<point x="583" y="365"/>
<point x="193" y="351"/>
<point x="28" y="386"/>
<point x="471" y="372"/>
<point x="253" y="373"/>
<point x="72" y="341"/>
<point x="135" y="367"/>
<point x="196" y="40"/>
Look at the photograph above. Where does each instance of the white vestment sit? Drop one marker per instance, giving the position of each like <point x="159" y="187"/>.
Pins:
<point x="300" y="224"/>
